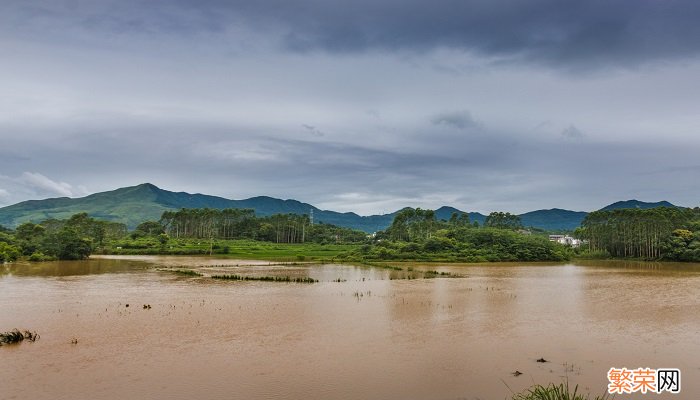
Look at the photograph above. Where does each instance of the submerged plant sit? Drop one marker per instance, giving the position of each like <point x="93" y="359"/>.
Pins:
<point x="265" y="278"/>
<point x="187" y="272"/>
<point x="15" y="336"/>
<point x="555" y="392"/>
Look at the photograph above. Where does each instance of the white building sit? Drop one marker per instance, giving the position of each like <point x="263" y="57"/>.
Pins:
<point x="565" y="240"/>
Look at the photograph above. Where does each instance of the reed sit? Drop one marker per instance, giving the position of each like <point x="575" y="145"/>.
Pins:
<point x="265" y="278"/>
<point x="556" y="392"/>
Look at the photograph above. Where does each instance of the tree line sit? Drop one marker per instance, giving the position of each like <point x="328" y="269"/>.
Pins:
<point x="236" y="223"/>
<point x="416" y="234"/>
<point x="80" y="235"/>
<point x="658" y="233"/>
<point x="69" y="239"/>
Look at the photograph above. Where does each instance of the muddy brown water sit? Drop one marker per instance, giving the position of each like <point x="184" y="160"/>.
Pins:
<point x="366" y="337"/>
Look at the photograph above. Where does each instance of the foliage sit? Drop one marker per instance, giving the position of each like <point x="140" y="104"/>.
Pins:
<point x="659" y="233"/>
<point x="148" y="228"/>
<point x="66" y="244"/>
<point x="39" y="256"/>
<point x="239" y="249"/>
<point x="415" y="235"/>
<point x="196" y="231"/>
<point x="236" y="223"/>
<point x="503" y="220"/>
<point x="71" y="239"/>
<point x="412" y="224"/>
<point x="8" y="252"/>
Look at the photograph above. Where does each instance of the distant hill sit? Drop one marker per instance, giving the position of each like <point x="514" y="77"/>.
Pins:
<point x="135" y="204"/>
<point x="636" y="204"/>
<point x="555" y="219"/>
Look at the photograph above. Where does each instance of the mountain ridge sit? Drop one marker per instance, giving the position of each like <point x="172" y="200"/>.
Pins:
<point x="134" y="204"/>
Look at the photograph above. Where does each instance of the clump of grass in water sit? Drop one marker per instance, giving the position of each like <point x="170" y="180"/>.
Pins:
<point x="555" y="392"/>
<point x="187" y="272"/>
<point x="384" y="266"/>
<point x="265" y="278"/>
<point x="15" y="336"/>
<point x="432" y="274"/>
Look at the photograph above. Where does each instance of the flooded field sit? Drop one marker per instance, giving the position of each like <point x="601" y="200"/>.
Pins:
<point x="358" y="333"/>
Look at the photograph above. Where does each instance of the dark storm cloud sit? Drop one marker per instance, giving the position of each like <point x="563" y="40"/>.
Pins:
<point x="591" y="32"/>
<point x="570" y="33"/>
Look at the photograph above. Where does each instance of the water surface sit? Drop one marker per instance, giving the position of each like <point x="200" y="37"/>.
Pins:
<point x="370" y="336"/>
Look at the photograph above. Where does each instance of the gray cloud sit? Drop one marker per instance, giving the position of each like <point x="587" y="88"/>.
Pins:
<point x="335" y="103"/>
<point x="42" y="183"/>
<point x="455" y="119"/>
<point x="313" y="131"/>
<point x="574" y="34"/>
<point x="33" y="185"/>
<point x="572" y="132"/>
<point x="496" y="171"/>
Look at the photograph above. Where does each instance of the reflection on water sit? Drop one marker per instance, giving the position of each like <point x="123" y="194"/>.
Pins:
<point x="69" y="268"/>
<point x="357" y="334"/>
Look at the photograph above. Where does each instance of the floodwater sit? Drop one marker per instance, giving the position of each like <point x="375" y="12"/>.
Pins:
<point x="367" y="336"/>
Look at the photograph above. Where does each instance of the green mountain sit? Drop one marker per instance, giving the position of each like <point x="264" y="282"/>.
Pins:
<point x="135" y="204"/>
<point x="636" y="204"/>
<point x="555" y="219"/>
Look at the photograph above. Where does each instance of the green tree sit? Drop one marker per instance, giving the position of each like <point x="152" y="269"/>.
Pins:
<point x="148" y="228"/>
<point x="8" y="252"/>
<point x="66" y="244"/>
<point x="503" y="220"/>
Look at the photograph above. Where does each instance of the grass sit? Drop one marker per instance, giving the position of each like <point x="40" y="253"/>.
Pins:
<point x="265" y="278"/>
<point x="239" y="249"/>
<point x="15" y="336"/>
<point x="555" y="392"/>
<point x="436" y="273"/>
<point x="380" y="265"/>
<point x="187" y="272"/>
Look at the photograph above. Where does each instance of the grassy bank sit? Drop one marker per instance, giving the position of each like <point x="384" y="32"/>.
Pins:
<point x="240" y="249"/>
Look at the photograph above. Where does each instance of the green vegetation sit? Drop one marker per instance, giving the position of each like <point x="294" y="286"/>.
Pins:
<point x="231" y="233"/>
<point x="237" y="223"/>
<point x="187" y="272"/>
<point x="415" y="234"/>
<point x="8" y="252"/>
<point x="663" y="233"/>
<point x="555" y="392"/>
<point x="72" y="239"/>
<point x="239" y="249"/>
<point x="503" y="220"/>
<point x="264" y="278"/>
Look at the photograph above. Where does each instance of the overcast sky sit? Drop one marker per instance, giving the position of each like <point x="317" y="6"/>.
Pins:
<point x="363" y="105"/>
